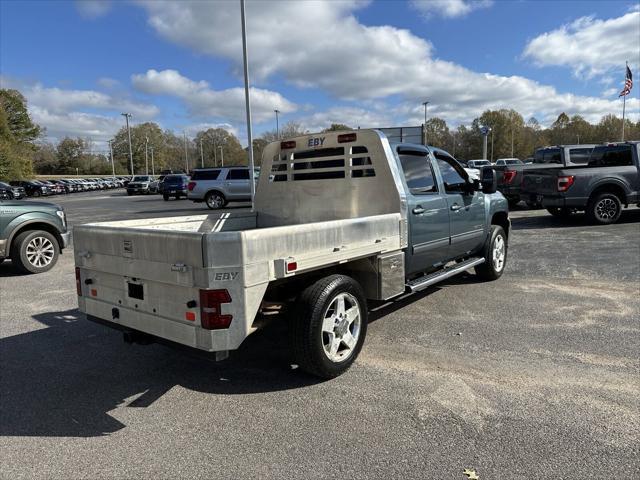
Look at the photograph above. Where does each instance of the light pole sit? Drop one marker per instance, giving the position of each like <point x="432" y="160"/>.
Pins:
<point x="247" y="101"/>
<point x="221" y="154"/>
<point x="146" y="154"/>
<point x="113" y="167"/>
<point x="127" y="116"/>
<point x="201" y="154"/>
<point x="277" y="124"/>
<point x="425" y="121"/>
<point x="186" y="155"/>
<point x="215" y="154"/>
<point x="153" y="169"/>
<point x="485" y="133"/>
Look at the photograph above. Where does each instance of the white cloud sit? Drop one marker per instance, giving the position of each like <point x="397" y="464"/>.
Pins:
<point x="449" y="8"/>
<point x="108" y="83"/>
<point x="75" y="124"/>
<point x="93" y="8"/>
<point x="589" y="45"/>
<point x="205" y="102"/>
<point x="352" y="116"/>
<point x="322" y="45"/>
<point x="192" y="130"/>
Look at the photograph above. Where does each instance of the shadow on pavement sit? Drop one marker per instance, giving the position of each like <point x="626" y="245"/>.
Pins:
<point x="63" y="380"/>
<point x="575" y="220"/>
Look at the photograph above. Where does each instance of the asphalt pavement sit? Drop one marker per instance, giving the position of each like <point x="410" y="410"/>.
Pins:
<point x="535" y="375"/>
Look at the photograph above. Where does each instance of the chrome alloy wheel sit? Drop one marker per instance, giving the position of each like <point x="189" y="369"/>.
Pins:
<point x="215" y="201"/>
<point x="341" y="327"/>
<point x="606" y="209"/>
<point x="40" y="252"/>
<point x="499" y="253"/>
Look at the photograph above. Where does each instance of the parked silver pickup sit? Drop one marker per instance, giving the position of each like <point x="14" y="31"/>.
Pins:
<point x="339" y="219"/>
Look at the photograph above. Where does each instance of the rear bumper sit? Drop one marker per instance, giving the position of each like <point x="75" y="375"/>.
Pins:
<point x="562" y="202"/>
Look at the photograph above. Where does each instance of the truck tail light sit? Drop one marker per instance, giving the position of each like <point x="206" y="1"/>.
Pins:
<point x="191" y="186"/>
<point x="287" y="145"/>
<point x="211" y="302"/>
<point x="508" y="176"/>
<point x="78" y="282"/>
<point x="347" y="137"/>
<point x="564" y="182"/>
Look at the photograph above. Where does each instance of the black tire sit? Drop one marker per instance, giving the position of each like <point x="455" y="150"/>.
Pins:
<point x="45" y="246"/>
<point x="559" y="212"/>
<point x="306" y="321"/>
<point x="165" y="197"/>
<point x="604" y="208"/>
<point x="215" y="200"/>
<point x="36" y="193"/>
<point x="490" y="269"/>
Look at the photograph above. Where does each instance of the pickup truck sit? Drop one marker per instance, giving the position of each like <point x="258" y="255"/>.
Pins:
<point x="32" y="234"/>
<point x="512" y="178"/>
<point x="609" y="180"/>
<point x="339" y="219"/>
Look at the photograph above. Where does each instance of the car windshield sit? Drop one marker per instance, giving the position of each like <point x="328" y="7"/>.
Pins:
<point x="3" y="185"/>
<point x="481" y="163"/>
<point x="141" y="178"/>
<point x="513" y="162"/>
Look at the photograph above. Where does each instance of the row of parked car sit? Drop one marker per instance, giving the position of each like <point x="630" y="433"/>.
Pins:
<point x="17" y="189"/>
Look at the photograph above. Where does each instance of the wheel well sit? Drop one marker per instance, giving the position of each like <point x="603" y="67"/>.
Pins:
<point x="502" y="219"/>
<point x="36" y="226"/>
<point x="214" y="191"/>
<point x="611" y="188"/>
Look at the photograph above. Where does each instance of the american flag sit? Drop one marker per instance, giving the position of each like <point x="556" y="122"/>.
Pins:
<point x="628" y="83"/>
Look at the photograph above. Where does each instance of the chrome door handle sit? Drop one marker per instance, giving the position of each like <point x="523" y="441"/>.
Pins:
<point x="418" y="210"/>
<point x="455" y="207"/>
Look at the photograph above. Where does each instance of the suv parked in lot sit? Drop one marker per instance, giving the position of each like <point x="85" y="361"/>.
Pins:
<point x="8" y="192"/>
<point x="140" y="184"/>
<point x="607" y="181"/>
<point x="32" y="189"/>
<point x="32" y="234"/>
<point x="174" y="186"/>
<point x="219" y="186"/>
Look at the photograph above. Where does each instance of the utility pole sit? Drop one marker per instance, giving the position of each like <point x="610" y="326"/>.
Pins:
<point x="146" y="154"/>
<point x="113" y="167"/>
<point x="492" y="135"/>
<point x="127" y="116"/>
<point x="201" y="154"/>
<point x="247" y="101"/>
<point x="186" y="155"/>
<point x="221" y="154"/>
<point x="277" y="124"/>
<point x="425" y="121"/>
<point x="153" y="169"/>
<point x="484" y="130"/>
<point x="215" y="154"/>
<point x="512" y="134"/>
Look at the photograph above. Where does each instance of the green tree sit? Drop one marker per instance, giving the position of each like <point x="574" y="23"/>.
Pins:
<point x="17" y="134"/>
<point x="335" y="127"/>
<point x="438" y="134"/>
<point x="220" y="145"/>
<point x="288" y="130"/>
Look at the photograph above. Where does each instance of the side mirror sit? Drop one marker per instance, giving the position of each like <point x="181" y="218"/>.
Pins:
<point x="489" y="180"/>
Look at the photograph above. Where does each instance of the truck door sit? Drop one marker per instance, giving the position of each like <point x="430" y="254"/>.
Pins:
<point x="237" y="184"/>
<point x="466" y="207"/>
<point x="427" y="210"/>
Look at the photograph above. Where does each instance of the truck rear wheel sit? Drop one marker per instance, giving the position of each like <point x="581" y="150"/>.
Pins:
<point x="35" y="251"/>
<point x="495" y="255"/>
<point x="328" y="326"/>
<point x="604" y="208"/>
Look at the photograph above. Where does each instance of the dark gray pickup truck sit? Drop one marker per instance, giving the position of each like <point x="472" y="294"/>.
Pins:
<point x="32" y="234"/>
<point x="609" y="180"/>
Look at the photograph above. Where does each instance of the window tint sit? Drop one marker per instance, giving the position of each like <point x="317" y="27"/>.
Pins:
<point x="513" y="162"/>
<point x="580" y="155"/>
<point x="205" y="175"/>
<point x="452" y="174"/>
<point x="616" y="156"/>
<point x="417" y="172"/>
<point x="548" y="155"/>
<point x="238" y="174"/>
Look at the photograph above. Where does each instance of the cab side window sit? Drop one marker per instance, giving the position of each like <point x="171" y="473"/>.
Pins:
<point x="417" y="172"/>
<point x="453" y="175"/>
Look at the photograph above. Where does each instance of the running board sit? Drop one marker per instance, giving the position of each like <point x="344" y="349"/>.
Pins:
<point x="423" y="282"/>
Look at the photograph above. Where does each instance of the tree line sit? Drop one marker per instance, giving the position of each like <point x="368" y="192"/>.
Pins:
<point x="23" y="150"/>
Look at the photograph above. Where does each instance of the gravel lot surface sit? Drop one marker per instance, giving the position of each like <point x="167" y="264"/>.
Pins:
<point x="535" y="375"/>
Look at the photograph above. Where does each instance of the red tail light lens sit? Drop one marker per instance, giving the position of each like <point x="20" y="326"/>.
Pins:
<point x="191" y="186"/>
<point x="347" y="137"/>
<point x="564" y="182"/>
<point x="211" y="302"/>
<point x="508" y="176"/>
<point x="78" y="283"/>
<point x="287" y="145"/>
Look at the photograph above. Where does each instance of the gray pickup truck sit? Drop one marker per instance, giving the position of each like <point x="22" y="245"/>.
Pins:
<point x="608" y="181"/>
<point x="32" y="234"/>
<point x="339" y="219"/>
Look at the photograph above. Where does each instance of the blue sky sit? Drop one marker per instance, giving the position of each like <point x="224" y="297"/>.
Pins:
<point x="355" y="62"/>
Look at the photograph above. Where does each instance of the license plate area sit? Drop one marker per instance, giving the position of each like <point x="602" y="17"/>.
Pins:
<point x="135" y="290"/>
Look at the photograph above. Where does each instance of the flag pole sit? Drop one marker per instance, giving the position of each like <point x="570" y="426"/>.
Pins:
<point x="624" y="100"/>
